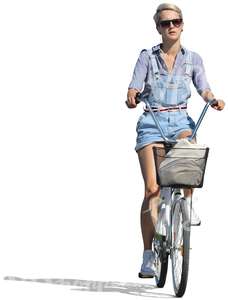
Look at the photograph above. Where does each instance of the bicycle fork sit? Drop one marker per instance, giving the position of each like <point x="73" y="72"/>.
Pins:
<point x="176" y="195"/>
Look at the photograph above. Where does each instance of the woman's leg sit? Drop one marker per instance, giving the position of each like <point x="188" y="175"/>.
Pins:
<point x="151" y="196"/>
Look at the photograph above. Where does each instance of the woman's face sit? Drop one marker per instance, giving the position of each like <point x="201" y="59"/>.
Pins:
<point x="170" y="31"/>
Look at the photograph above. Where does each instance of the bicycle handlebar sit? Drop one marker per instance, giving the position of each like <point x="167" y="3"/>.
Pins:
<point x="213" y="102"/>
<point x="141" y="98"/>
<point x="138" y="99"/>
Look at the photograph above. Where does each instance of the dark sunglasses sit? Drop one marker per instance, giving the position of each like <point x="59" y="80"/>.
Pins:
<point x="167" y="23"/>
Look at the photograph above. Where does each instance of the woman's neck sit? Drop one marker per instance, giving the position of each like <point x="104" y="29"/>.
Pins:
<point x="171" y="48"/>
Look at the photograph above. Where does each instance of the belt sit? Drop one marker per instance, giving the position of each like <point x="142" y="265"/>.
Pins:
<point x="168" y="108"/>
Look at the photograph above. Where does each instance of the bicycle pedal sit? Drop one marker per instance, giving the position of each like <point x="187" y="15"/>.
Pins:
<point x="141" y="275"/>
<point x="192" y="224"/>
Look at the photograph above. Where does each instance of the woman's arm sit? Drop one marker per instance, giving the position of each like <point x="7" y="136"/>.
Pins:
<point x="138" y="78"/>
<point x="201" y="84"/>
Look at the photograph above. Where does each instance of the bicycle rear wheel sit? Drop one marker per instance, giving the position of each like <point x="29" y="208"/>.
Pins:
<point x="180" y="247"/>
<point x="161" y="260"/>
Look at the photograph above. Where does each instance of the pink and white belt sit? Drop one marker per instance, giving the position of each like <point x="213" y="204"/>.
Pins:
<point x="166" y="108"/>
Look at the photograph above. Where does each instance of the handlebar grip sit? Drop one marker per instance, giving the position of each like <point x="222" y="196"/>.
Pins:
<point x="213" y="102"/>
<point x="137" y="98"/>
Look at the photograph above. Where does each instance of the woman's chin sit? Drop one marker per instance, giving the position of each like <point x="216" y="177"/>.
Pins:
<point x="172" y="38"/>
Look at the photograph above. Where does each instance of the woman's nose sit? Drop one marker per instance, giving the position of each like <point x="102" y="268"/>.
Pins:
<point x="171" y="24"/>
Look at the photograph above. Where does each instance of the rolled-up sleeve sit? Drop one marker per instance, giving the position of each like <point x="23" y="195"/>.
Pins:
<point x="140" y="71"/>
<point x="199" y="76"/>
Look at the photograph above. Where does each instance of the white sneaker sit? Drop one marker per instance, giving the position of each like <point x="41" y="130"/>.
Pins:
<point x="195" y="220"/>
<point x="147" y="268"/>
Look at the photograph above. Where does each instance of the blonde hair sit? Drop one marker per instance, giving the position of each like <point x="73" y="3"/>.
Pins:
<point x="166" y="6"/>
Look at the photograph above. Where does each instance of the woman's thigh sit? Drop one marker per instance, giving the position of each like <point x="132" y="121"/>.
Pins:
<point x="146" y="160"/>
<point x="185" y="134"/>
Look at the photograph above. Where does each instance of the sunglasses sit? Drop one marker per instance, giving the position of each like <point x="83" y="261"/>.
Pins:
<point x="167" y="23"/>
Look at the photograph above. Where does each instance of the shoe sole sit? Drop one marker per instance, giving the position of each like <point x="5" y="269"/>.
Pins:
<point x="141" y="275"/>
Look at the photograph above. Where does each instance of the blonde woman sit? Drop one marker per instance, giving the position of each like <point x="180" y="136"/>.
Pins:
<point x="168" y="69"/>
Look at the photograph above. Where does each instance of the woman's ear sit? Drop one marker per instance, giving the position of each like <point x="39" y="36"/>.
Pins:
<point x="158" y="29"/>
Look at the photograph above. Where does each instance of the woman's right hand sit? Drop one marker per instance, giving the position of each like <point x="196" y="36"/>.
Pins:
<point x="131" y="98"/>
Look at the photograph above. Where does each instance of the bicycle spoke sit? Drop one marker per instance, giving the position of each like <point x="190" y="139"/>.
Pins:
<point x="178" y="248"/>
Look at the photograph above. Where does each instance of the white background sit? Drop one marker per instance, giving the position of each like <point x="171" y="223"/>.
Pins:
<point x="70" y="184"/>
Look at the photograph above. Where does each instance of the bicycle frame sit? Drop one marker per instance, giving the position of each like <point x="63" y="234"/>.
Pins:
<point x="166" y="211"/>
<point x="168" y="204"/>
<point x="142" y="97"/>
<point x="174" y="219"/>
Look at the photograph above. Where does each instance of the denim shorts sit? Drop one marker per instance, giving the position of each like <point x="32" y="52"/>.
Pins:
<point x="172" y="123"/>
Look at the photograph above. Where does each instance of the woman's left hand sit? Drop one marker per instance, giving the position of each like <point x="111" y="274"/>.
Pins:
<point x="220" y="105"/>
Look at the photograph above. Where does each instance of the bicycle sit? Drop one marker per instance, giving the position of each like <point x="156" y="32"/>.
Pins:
<point x="173" y="227"/>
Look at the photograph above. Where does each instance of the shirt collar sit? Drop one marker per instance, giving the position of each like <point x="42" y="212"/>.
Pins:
<point x="157" y="49"/>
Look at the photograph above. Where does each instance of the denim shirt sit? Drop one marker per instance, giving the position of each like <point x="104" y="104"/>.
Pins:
<point x="142" y="69"/>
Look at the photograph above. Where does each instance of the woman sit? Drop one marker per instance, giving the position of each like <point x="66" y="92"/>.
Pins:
<point x="167" y="69"/>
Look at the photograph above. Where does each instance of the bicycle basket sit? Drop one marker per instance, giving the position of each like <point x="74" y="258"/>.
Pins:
<point x="180" y="167"/>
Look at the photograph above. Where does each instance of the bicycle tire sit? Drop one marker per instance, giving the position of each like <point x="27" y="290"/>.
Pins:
<point x="161" y="261"/>
<point x="180" y="249"/>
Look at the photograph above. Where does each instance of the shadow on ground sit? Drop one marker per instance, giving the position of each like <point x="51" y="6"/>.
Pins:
<point x="136" y="289"/>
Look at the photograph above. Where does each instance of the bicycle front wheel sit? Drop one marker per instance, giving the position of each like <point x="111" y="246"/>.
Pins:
<point x="161" y="260"/>
<point x="180" y="247"/>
